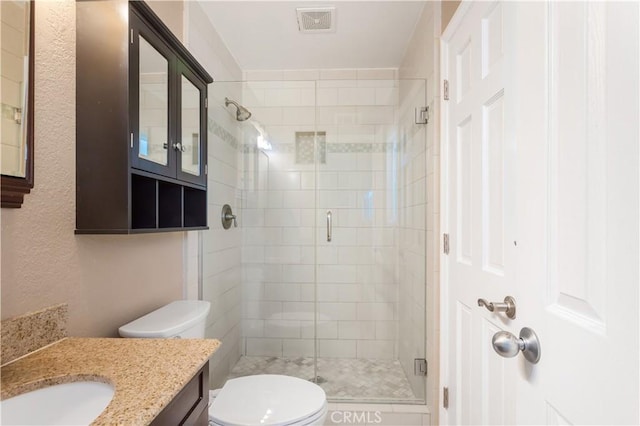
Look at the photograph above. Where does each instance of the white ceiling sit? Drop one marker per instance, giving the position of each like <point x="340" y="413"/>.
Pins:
<point x="264" y="34"/>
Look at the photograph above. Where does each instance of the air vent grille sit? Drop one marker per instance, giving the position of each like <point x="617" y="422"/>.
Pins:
<point x="316" y="20"/>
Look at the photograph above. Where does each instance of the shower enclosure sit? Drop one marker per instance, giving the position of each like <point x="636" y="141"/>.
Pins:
<point x="328" y="181"/>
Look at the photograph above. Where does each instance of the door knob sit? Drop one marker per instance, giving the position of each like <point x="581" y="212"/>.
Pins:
<point x="508" y="307"/>
<point x="507" y="345"/>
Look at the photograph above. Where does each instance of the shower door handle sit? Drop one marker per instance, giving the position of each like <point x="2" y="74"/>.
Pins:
<point x="329" y="225"/>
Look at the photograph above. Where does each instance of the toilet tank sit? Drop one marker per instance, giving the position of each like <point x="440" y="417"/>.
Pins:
<point x="181" y="319"/>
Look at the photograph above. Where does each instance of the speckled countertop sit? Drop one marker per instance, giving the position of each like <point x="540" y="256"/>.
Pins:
<point x="146" y="373"/>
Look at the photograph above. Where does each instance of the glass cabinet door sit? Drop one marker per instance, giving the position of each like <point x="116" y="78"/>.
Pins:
<point x="191" y="158"/>
<point x="152" y="92"/>
<point x="168" y="110"/>
<point x="154" y="105"/>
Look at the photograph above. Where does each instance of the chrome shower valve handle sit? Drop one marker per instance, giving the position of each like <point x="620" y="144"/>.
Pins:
<point x="508" y="307"/>
<point x="228" y="217"/>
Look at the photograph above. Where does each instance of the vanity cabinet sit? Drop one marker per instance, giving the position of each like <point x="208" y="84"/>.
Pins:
<point x="141" y="123"/>
<point x="190" y="406"/>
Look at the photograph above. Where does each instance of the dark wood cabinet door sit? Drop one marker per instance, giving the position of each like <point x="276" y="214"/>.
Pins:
<point x="189" y="407"/>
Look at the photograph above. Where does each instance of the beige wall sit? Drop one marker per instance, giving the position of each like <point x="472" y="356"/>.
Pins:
<point x="449" y="7"/>
<point x="106" y="280"/>
<point x="171" y="13"/>
<point x="14" y="48"/>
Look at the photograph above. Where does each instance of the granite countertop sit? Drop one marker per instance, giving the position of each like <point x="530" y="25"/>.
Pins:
<point x="146" y="373"/>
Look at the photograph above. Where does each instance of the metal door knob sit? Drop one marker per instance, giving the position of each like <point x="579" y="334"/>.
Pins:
<point x="507" y="345"/>
<point x="508" y="307"/>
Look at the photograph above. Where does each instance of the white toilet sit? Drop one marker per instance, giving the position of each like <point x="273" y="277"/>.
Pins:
<point x="264" y="399"/>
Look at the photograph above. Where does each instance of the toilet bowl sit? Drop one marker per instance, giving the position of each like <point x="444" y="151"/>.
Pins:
<point x="268" y="399"/>
<point x="264" y="399"/>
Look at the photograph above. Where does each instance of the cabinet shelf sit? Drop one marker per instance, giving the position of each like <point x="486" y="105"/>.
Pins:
<point x="133" y="174"/>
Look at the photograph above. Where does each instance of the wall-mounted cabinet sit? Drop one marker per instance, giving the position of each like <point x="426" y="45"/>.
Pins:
<point x="141" y="110"/>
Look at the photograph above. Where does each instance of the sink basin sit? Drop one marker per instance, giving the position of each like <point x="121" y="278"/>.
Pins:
<point x="75" y="403"/>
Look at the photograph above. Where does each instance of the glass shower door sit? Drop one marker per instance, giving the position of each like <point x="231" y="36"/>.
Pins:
<point x="277" y="218"/>
<point x="348" y="313"/>
<point x="371" y="239"/>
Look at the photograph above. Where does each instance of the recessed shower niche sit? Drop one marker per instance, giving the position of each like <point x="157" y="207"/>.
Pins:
<point x="308" y="144"/>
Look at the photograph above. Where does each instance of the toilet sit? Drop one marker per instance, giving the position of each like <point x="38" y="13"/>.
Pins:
<point x="263" y="399"/>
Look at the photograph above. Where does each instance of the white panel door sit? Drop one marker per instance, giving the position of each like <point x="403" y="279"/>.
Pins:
<point x="481" y="206"/>
<point x="568" y="229"/>
<point x="578" y="215"/>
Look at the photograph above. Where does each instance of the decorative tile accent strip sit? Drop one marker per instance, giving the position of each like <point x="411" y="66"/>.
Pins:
<point x="29" y="332"/>
<point x="334" y="148"/>
<point x="222" y="133"/>
<point x="287" y="148"/>
<point x="344" y="148"/>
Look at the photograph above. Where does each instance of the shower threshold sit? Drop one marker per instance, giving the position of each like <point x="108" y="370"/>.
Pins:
<point x="343" y="379"/>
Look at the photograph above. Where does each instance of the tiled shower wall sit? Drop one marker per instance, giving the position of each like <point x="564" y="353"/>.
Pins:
<point x="220" y="269"/>
<point x="361" y="182"/>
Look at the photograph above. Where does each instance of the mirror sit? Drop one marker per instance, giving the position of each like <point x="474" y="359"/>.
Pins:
<point x="154" y="104"/>
<point x="17" y="18"/>
<point x="190" y="127"/>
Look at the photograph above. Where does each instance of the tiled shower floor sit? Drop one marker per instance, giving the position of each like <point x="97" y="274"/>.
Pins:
<point x="344" y="379"/>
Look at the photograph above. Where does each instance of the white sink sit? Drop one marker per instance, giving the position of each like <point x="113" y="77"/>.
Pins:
<point x="76" y="403"/>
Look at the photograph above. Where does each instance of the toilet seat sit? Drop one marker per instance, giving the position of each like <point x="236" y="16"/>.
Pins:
<point x="312" y="420"/>
<point x="269" y="400"/>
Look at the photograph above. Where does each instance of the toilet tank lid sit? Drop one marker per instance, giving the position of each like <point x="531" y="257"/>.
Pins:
<point x="167" y="321"/>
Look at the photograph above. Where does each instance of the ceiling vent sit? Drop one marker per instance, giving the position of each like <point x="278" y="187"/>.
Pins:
<point x="316" y="19"/>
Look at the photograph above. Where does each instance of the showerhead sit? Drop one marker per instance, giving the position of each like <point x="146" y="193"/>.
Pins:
<point x="242" y="113"/>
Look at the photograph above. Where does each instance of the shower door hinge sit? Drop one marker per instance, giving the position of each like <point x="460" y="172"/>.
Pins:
<point x="17" y="115"/>
<point x="422" y="115"/>
<point x="206" y="102"/>
<point x="445" y="90"/>
<point x="420" y="367"/>
<point x="445" y="243"/>
<point x="445" y="397"/>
